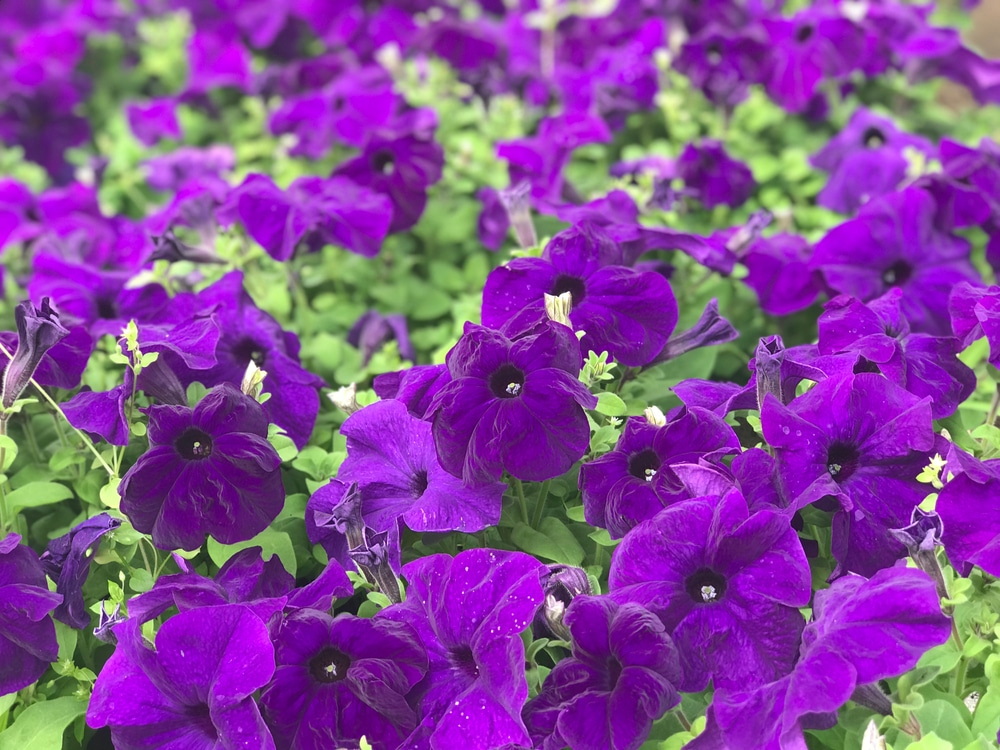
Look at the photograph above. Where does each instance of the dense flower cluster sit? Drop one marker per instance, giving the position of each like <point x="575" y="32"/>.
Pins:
<point x="603" y="503"/>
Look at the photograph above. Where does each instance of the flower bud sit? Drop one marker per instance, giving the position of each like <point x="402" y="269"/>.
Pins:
<point x="253" y="380"/>
<point x="561" y="585"/>
<point x="345" y="398"/>
<point x="38" y="330"/>
<point x="558" y="308"/>
<point x="767" y="366"/>
<point x="517" y="200"/>
<point x="654" y="416"/>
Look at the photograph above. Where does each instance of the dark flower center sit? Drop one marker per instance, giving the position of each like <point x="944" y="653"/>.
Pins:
<point x="572" y="284"/>
<point x="507" y="382"/>
<point x="383" y="161"/>
<point x="841" y="461"/>
<point x="418" y="484"/>
<point x="866" y="365"/>
<point x="644" y="464"/>
<point x="804" y="33"/>
<point x="329" y="665"/>
<point x="705" y="586"/>
<point x="897" y="274"/>
<point x="713" y="53"/>
<point x="200" y="717"/>
<point x="873" y="137"/>
<point x="614" y="672"/>
<point x="106" y="308"/>
<point x="247" y="351"/>
<point x="194" y="444"/>
<point x="463" y="660"/>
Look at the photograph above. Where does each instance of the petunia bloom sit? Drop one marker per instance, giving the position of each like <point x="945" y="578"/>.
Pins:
<point x="512" y="405"/>
<point x="340" y="678"/>
<point x="634" y="482"/>
<point x="628" y="313"/>
<point x="27" y="634"/>
<point x="208" y="470"/>
<point x="468" y="611"/>
<point x="619" y="680"/>
<point x="726" y="584"/>
<point x="713" y="176"/>
<point x="194" y="691"/>
<point x="862" y="441"/>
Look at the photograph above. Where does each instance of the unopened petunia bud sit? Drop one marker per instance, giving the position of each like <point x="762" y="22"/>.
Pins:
<point x="921" y="539"/>
<point x="517" y="200"/>
<point x="253" y="380"/>
<point x="38" y="330"/>
<point x="371" y="555"/>
<point x="710" y="330"/>
<point x="558" y="307"/>
<point x="345" y="398"/>
<point x="106" y="623"/>
<point x="561" y="585"/>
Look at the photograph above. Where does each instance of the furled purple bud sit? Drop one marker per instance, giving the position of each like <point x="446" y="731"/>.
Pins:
<point x="517" y="200"/>
<point x="38" y="330"/>
<point x="710" y="330"/>
<point x="373" y="329"/>
<point x="749" y="232"/>
<point x="767" y="364"/>
<point x="921" y="539"/>
<point x="168" y="247"/>
<point x="561" y="584"/>
<point x="371" y="556"/>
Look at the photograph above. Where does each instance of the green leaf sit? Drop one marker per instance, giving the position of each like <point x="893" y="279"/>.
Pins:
<point x="10" y="451"/>
<point x="946" y="720"/>
<point x="37" y="494"/>
<point x="109" y="493"/>
<point x="41" y="726"/>
<point x="986" y="719"/>
<point x="930" y="741"/>
<point x="140" y="581"/>
<point x="271" y="542"/>
<point x="552" y="540"/>
<point x="610" y="405"/>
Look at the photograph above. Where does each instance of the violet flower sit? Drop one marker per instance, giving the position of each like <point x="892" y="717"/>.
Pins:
<point x="629" y="314"/>
<point x="195" y="690"/>
<point x="391" y="455"/>
<point x="619" y="680"/>
<point x="208" y="470"/>
<point x="154" y="120"/>
<point x="726" y="584"/>
<point x="66" y="561"/>
<point x="862" y="631"/>
<point x="714" y="177"/>
<point x="634" y="482"/>
<point x="860" y="440"/>
<point x="512" y="405"/>
<point x="723" y="62"/>
<point x="468" y="611"/>
<point x="975" y="312"/>
<point x="38" y="330"/>
<point x="778" y="271"/>
<point x="894" y="242"/>
<point x="340" y="678"/>
<point x="415" y="386"/>
<point x="968" y="505"/>
<point x="27" y="634"/>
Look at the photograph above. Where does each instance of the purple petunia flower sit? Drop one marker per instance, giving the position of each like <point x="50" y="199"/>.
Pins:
<point x="512" y="405"/>
<point x="400" y="161"/>
<point x="860" y="440"/>
<point x="629" y="314"/>
<point x="975" y="312"/>
<point x="894" y="242"/>
<point x="723" y="62"/>
<point x="314" y="211"/>
<point x="248" y="334"/>
<point x="778" y="271"/>
<point x="634" y="482"/>
<point x="727" y="585"/>
<point x="619" y="680"/>
<point x="468" y="612"/>
<point x="923" y="364"/>
<point x="415" y="386"/>
<point x="27" y="633"/>
<point x="968" y="505"/>
<point x="340" y="678"/>
<point x="66" y="560"/>
<point x="194" y="691"/>
<point x="714" y="177"/>
<point x="391" y="455"/>
<point x="865" y="160"/>
<point x="154" y="120"/>
<point x="862" y="631"/>
<point x="208" y="470"/>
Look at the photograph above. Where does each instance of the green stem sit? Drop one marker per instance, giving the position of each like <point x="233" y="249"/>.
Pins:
<point x="958" y="684"/>
<point x="5" y="520"/>
<point x="682" y="718"/>
<point x="519" y="489"/>
<point x="543" y="495"/>
<point x="991" y="416"/>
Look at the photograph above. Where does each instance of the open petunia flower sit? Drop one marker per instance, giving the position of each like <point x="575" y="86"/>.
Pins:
<point x="208" y="470"/>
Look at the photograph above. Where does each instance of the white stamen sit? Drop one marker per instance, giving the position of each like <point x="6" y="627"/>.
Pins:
<point x="708" y="593"/>
<point x="513" y="389"/>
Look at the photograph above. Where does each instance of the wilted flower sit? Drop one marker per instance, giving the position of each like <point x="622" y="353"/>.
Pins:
<point x="209" y="470"/>
<point x="66" y="560"/>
